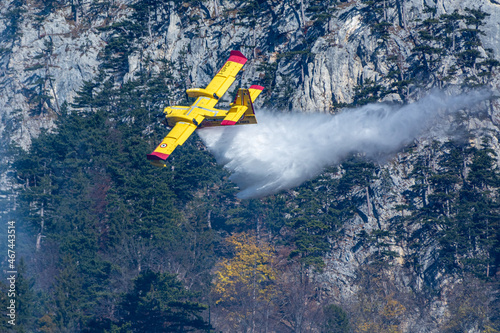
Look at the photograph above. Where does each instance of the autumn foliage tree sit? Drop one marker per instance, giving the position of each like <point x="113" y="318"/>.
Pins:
<point x="244" y="284"/>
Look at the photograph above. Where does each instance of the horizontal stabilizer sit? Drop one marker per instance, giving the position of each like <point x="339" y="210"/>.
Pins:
<point x="255" y="91"/>
<point x="242" y="111"/>
<point x="241" y="104"/>
<point x="233" y="115"/>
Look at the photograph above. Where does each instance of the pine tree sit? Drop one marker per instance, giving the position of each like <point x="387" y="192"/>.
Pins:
<point x="160" y="303"/>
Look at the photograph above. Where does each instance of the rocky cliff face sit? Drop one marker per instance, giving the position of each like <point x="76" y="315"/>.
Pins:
<point x="312" y="56"/>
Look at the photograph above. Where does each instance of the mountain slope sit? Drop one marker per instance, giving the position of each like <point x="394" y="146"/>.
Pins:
<point x="407" y="243"/>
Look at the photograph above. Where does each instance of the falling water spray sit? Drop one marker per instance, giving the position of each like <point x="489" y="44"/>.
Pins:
<point x="286" y="149"/>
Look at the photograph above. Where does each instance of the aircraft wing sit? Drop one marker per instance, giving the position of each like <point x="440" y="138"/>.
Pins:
<point x="176" y="137"/>
<point x="225" y="77"/>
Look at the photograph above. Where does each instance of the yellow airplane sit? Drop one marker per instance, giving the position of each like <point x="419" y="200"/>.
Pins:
<point x="185" y="119"/>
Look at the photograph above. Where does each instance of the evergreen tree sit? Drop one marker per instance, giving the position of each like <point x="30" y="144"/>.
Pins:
<point x="160" y="303"/>
<point x="25" y="298"/>
<point x="336" y="319"/>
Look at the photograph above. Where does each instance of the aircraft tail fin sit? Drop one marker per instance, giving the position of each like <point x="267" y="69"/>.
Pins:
<point x="242" y="111"/>
<point x="249" y="116"/>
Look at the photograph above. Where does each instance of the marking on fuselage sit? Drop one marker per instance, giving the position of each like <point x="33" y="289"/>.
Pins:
<point x="195" y="105"/>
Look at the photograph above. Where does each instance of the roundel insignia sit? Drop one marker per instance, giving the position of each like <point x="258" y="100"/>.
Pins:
<point x="163" y="145"/>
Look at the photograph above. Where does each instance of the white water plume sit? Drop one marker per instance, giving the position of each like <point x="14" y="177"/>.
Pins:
<point x="286" y="149"/>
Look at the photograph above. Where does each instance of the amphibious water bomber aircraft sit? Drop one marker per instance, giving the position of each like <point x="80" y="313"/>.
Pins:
<point x="185" y="119"/>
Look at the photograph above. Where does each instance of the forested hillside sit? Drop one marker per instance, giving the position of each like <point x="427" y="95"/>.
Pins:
<point x="105" y="242"/>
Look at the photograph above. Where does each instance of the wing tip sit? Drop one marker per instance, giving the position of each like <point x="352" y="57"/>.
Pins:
<point x="237" y="56"/>
<point x="256" y="87"/>
<point x="156" y="156"/>
<point x="227" y="123"/>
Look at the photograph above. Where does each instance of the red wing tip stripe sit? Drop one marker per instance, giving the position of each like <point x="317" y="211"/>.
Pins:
<point x="237" y="56"/>
<point x="256" y="87"/>
<point x="155" y="156"/>
<point x="227" y="122"/>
